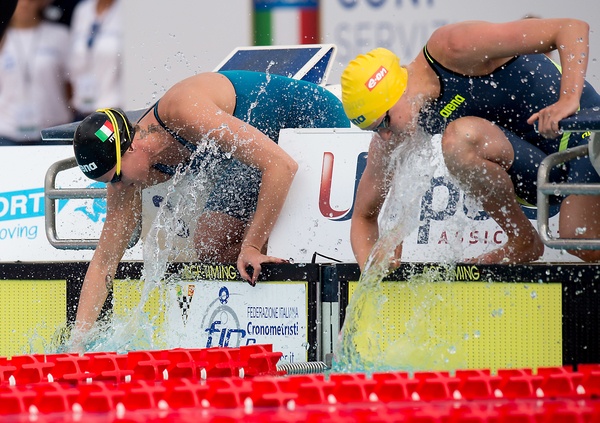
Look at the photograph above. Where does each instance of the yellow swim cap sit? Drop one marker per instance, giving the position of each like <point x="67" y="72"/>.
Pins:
<point x="371" y="84"/>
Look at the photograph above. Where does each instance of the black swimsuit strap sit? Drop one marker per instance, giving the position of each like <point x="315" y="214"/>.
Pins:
<point x="190" y="146"/>
<point x="163" y="168"/>
<point x="432" y="61"/>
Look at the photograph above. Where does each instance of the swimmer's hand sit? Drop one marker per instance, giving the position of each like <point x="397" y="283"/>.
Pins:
<point x="396" y="259"/>
<point x="250" y="259"/>
<point x="381" y="256"/>
<point x="547" y="119"/>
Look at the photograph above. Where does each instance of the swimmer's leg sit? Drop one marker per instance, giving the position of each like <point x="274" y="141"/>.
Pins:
<point x="218" y="237"/>
<point x="580" y="218"/>
<point x="227" y="214"/>
<point x="478" y="154"/>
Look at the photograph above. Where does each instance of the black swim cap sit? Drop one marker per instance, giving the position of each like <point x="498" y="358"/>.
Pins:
<point x="97" y="139"/>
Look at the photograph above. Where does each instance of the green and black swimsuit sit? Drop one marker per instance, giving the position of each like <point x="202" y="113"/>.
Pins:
<point x="508" y="96"/>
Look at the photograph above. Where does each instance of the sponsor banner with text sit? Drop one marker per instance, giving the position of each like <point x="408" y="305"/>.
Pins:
<point x="316" y="215"/>
<point x="204" y="314"/>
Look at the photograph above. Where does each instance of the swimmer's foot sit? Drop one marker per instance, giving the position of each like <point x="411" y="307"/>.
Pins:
<point x="513" y="252"/>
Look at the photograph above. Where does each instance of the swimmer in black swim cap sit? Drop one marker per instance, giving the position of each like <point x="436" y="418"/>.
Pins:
<point x="100" y="141"/>
<point x="252" y="174"/>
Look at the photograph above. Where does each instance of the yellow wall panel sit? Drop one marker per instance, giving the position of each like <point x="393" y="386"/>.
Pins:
<point x="127" y="295"/>
<point x="449" y="325"/>
<point x="30" y="313"/>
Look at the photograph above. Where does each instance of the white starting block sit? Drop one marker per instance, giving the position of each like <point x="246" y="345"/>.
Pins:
<point x="583" y="121"/>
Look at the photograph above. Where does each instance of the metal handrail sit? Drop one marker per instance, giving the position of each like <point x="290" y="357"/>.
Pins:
<point x="52" y="193"/>
<point x="546" y="189"/>
<point x="585" y="120"/>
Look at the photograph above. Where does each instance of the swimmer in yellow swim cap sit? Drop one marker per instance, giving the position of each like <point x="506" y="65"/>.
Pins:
<point x="372" y="83"/>
<point x="482" y="86"/>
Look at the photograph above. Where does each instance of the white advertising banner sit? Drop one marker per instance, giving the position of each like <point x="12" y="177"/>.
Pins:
<point x="316" y="215"/>
<point x="22" y="230"/>
<point x="232" y="314"/>
<point x="404" y="26"/>
<point x="315" y="219"/>
<point x="22" y="215"/>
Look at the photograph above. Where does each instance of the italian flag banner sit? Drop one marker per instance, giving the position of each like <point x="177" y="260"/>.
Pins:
<point x="286" y="22"/>
<point x="105" y="132"/>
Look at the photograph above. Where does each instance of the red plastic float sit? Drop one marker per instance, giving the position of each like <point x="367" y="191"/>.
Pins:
<point x="245" y="384"/>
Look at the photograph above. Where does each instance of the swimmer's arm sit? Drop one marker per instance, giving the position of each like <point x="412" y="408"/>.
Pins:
<point x="252" y="147"/>
<point x="370" y="195"/>
<point x="123" y="213"/>
<point x="472" y="47"/>
<point x="278" y="171"/>
<point x="572" y="45"/>
<point x="476" y="48"/>
<point x="364" y="229"/>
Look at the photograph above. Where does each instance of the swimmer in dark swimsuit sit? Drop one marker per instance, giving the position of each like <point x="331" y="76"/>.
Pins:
<point x="483" y="86"/>
<point x="242" y="114"/>
<point x="7" y="8"/>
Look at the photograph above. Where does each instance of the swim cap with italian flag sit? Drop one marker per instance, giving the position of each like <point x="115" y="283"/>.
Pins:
<point x="371" y="84"/>
<point x="98" y="138"/>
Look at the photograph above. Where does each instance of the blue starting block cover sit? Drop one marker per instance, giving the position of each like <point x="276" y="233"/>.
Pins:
<point x="583" y="120"/>
<point x="307" y="62"/>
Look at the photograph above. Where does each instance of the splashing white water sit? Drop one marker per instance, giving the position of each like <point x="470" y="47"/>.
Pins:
<point x="361" y="344"/>
<point x="184" y="201"/>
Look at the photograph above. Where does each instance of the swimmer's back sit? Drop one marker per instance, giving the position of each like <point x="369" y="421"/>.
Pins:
<point x="274" y="102"/>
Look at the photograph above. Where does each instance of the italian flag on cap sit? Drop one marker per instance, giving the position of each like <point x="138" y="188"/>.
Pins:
<point x="105" y="132"/>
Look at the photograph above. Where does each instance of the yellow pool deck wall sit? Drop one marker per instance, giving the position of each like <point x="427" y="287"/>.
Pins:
<point x="519" y="316"/>
<point x="475" y="325"/>
<point x="30" y="313"/>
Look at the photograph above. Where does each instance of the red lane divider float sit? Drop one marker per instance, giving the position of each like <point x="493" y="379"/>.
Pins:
<point x="233" y="384"/>
<point x="247" y="361"/>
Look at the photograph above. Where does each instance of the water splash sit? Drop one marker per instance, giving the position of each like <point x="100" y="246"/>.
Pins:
<point x="261" y="91"/>
<point x="138" y="328"/>
<point x="365" y="342"/>
<point x="186" y="195"/>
